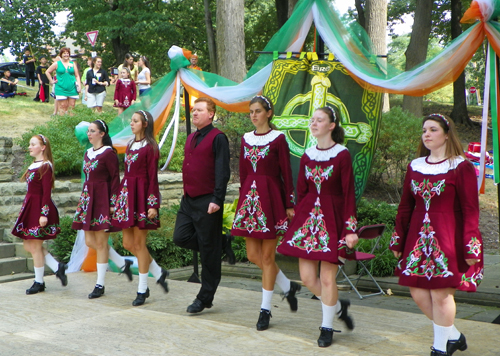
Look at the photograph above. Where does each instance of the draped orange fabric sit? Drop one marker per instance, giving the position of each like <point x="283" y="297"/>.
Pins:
<point x="234" y="107"/>
<point x="472" y="14"/>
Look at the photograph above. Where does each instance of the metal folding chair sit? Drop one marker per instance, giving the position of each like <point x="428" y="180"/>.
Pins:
<point x="368" y="232"/>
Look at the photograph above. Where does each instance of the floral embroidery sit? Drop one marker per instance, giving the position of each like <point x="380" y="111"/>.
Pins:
<point x="475" y="279"/>
<point x="38" y="231"/>
<point x="256" y="219"/>
<point x="144" y="217"/>
<point x="427" y="190"/>
<point x="281" y="226"/>
<point x="45" y="210"/>
<point x="88" y="167"/>
<point x="352" y="224"/>
<point x="152" y="200"/>
<point x="83" y="204"/>
<point x="121" y="207"/>
<point x="113" y="200"/>
<point x="313" y="235"/>
<point x="255" y="154"/>
<point x="394" y="239"/>
<point x="29" y="178"/>
<point x="100" y="221"/>
<point x="318" y="175"/>
<point x="474" y="247"/>
<point x="129" y="159"/>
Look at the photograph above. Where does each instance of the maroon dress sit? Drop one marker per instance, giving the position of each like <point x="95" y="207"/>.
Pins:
<point x="125" y="93"/>
<point x="102" y="181"/>
<point x="326" y="207"/>
<point x="38" y="203"/>
<point x="266" y="186"/>
<point x="437" y="226"/>
<point x="139" y="189"/>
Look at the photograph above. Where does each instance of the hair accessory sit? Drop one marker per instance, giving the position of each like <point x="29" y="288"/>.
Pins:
<point x="43" y="139"/>
<point x="333" y="112"/>
<point x="442" y="118"/>
<point x="144" y="114"/>
<point x="265" y="99"/>
<point x="103" y="125"/>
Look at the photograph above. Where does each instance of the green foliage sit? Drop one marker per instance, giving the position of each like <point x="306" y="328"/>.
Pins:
<point x="371" y="212"/>
<point x="175" y="164"/>
<point x="66" y="150"/>
<point x="239" y="243"/>
<point x="62" y="246"/>
<point x="397" y="143"/>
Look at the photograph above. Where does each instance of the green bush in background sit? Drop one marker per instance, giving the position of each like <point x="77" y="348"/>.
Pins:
<point x="62" y="246"/>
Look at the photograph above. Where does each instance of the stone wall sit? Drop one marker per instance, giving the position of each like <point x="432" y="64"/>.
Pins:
<point x="66" y="195"/>
<point x="6" y="159"/>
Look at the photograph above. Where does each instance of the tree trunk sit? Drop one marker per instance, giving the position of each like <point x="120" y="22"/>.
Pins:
<point x="416" y="52"/>
<point x="120" y="49"/>
<point x="281" y="12"/>
<point x="361" y="13"/>
<point x="291" y="6"/>
<point x="212" y="50"/>
<point x="376" y="23"/>
<point x="459" y="113"/>
<point x="231" y="39"/>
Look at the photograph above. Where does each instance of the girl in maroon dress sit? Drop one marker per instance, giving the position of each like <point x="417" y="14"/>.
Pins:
<point x="125" y="91"/>
<point x="324" y="227"/>
<point x="136" y="208"/>
<point x="266" y="202"/>
<point x="95" y="208"/>
<point x="437" y="238"/>
<point x="39" y="220"/>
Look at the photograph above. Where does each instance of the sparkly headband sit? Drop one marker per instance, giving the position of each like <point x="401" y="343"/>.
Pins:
<point x="103" y="125"/>
<point x="442" y="118"/>
<point x="43" y="139"/>
<point x="265" y="99"/>
<point x="333" y="112"/>
<point x="144" y="114"/>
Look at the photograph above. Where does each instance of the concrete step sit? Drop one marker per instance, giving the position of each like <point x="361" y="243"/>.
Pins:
<point x="12" y="265"/>
<point x="7" y="250"/>
<point x="16" y="277"/>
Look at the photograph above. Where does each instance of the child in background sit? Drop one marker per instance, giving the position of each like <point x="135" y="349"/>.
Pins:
<point x="125" y="92"/>
<point x="43" y="81"/>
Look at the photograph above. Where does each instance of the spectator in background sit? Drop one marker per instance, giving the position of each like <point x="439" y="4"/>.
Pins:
<point x="29" y="62"/>
<point x="194" y="62"/>
<point x="43" y="81"/>
<point x="8" y="84"/>
<point x="144" y="77"/>
<point x="84" y="80"/>
<point x="67" y="85"/>
<point x="125" y="91"/>
<point x="96" y="82"/>
<point x="128" y="62"/>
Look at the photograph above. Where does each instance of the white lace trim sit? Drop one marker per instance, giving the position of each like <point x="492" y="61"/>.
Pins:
<point x="91" y="154"/>
<point x="421" y="166"/>
<point x="260" y="140"/>
<point x="138" y="145"/>
<point x="36" y="165"/>
<point x="324" y="155"/>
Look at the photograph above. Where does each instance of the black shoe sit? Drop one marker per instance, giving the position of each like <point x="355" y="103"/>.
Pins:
<point x="290" y="296"/>
<point x="36" y="288"/>
<point x="435" y="352"/>
<point x="263" y="322"/>
<point x="141" y="298"/>
<point x="126" y="269"/>
<point x="344" y="304"/>
<point x="97" y="292"/>
<point x="197" y="306"/>
<point x="161" y="281"/>
<point x="61" y="273"/>
<point x="325" y="337"/>
<point x="228" y="249"/>
<point x="454" y="345"/>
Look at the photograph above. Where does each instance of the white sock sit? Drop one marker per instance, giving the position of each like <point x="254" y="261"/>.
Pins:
<point x="118" y="260"/>
<point x="155" y="269"/>
<point x="441" y="335"/>
<point x="51" y="262"/>
<point x="267" y="295"/>
<point x="101" y="273"/>
<point x="328" y="314"/>
<point x="283" y="282"/>
<point x="143" y="283"/>
<point x="337" y="307"/>
<point x="39" y="272"/>
<point x="455" y="334"/>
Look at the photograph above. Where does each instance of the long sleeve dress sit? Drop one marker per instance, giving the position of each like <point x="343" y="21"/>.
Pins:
<point x="125" y="93"/>
<point x="100" y="189"/>
<point x="326" y="207"/>
<point x="266" y="186"/>
<point x="139" y="190"/>
<point x="437" y="226"/>
<point x="37" y="203"/>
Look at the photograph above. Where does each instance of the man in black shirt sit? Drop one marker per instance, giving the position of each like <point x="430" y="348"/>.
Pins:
<point x="29" y="62"/>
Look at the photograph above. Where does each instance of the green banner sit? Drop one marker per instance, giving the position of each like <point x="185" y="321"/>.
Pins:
<point x="298" y="87"/>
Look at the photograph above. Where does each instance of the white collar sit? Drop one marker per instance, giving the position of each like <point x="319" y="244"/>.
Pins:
<point x="420" y="165"/>
<point x="137" y="145"/>
<point x="38" y="164"/>
<point x="260" y="140"/>
<point x="324" y="155"/>
<point x="91" y="153"/>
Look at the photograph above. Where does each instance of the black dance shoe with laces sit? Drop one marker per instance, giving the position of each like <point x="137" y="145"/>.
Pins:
<point x="454" y="345"/>
<point x="36" y="288"/>
<point x="61" y="273"/>
<point x="263" y="322"/>
<point x="290" y="296"/>
<point x="325" y="337"/>
<point x="141" y="298"/>
<point x="344" y="305"/>
<point x="126" y="269"/>
<point x="161" y="281"/>
<point x="435" y="352"/>
<point x="97" y="292"/>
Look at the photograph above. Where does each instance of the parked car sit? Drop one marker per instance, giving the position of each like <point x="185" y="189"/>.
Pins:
<point x="16" y="70"/>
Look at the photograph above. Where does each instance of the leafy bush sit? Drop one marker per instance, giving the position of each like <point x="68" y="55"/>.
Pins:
<point x="67" y="151"/>
<point x="62" y="246"/>
<point x="175" y="164"/>
<point x="398" y="140"/>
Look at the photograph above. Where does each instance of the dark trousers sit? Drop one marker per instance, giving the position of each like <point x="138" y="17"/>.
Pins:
<point x="45" y="88"/>
<point x="197" y="230"/>
<point x="30" y="78"/>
